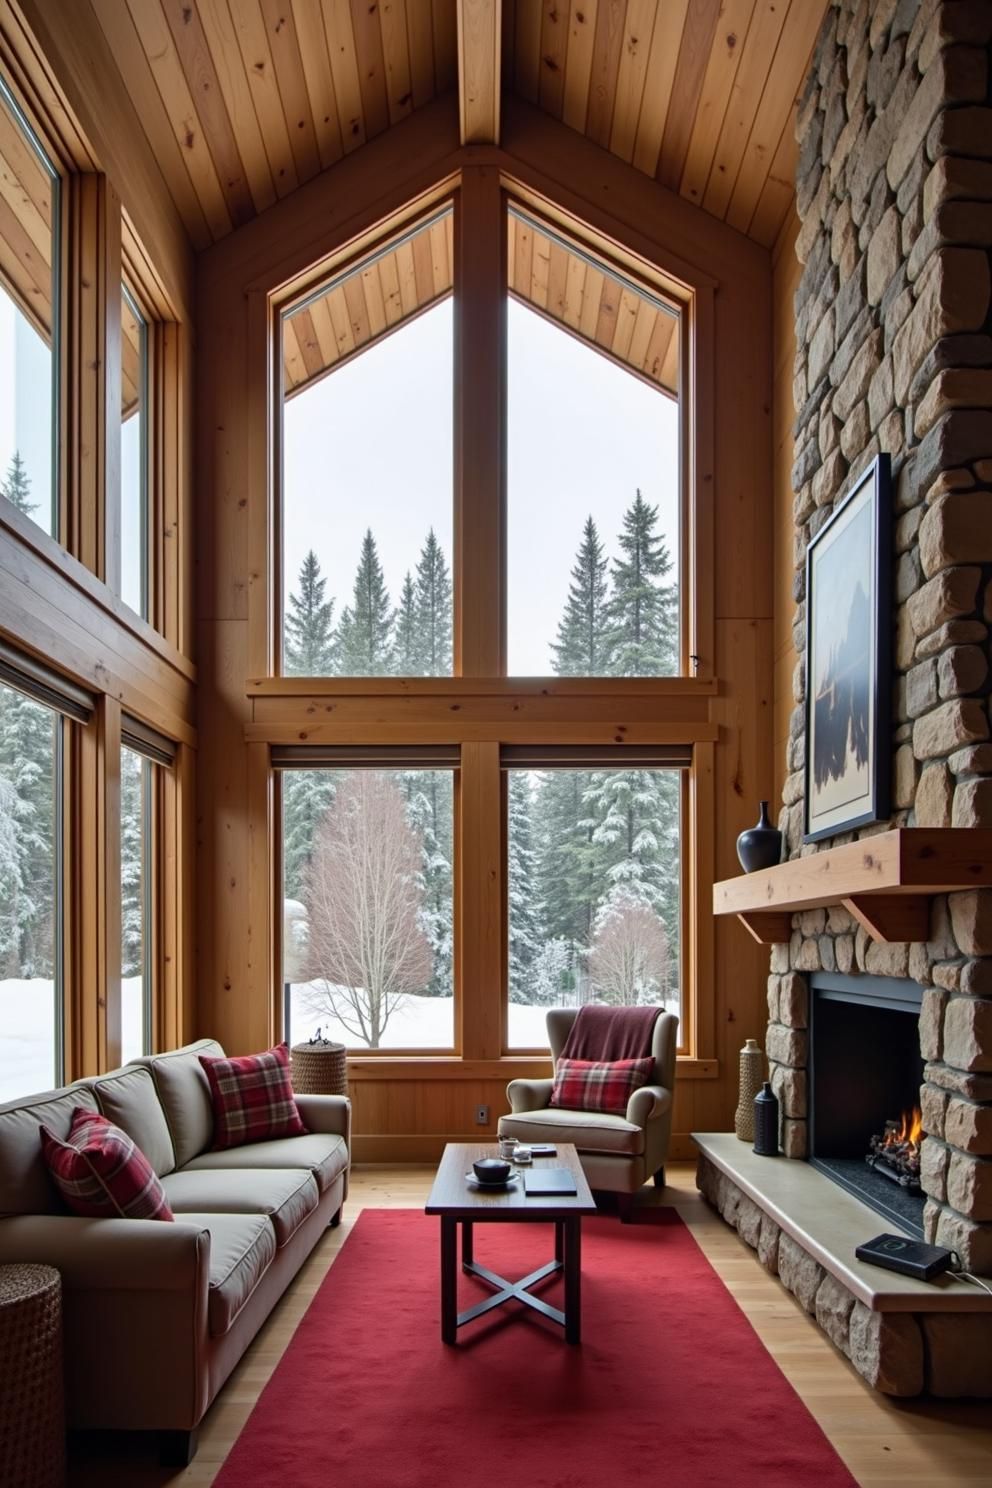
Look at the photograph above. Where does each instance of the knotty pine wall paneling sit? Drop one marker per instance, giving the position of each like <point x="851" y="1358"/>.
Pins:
<point x="407" y="1107"/>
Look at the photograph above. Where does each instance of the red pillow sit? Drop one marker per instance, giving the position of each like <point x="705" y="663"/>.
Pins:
<point x="253" y="1098"/>
<point x="583" y="1085"/>
<point x="101" y="1173"/>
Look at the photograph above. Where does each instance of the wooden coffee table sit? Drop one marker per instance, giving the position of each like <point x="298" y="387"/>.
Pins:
<point x="458" y="1204"/>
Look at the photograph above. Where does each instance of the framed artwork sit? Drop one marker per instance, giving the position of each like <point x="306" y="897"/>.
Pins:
<point x="848" y="679"/>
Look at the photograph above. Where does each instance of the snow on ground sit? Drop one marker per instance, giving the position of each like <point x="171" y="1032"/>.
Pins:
<point x="27" y="1033"/>
<point x="418" y="1023"/>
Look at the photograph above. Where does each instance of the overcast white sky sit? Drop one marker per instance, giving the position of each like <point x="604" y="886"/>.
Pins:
<point x="26" y="404"/>
<point x="370" y="446"/>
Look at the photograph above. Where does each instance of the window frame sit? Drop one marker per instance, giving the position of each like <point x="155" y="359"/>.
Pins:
<point x="41" y="145"/>
<point x="495" y="709"/>
<point x="144" y="413"/>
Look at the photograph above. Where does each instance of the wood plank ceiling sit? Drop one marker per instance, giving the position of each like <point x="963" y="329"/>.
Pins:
<point x="244" y="100"/>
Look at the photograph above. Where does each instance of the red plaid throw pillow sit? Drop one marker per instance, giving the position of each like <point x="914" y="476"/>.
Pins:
<point x="582" y="1085"/>
<point x="100" y="1173"/>
<point x="253" y="1098"/>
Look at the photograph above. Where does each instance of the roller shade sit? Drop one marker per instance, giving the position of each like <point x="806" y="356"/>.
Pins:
<point x="40" y="682"/>
<point x="147" y="741"/>
<point x="367" y="757"/>
<point x="595" y="757"/>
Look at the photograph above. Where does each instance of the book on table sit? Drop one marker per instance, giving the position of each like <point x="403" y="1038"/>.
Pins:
<point x="549" y="1181"/>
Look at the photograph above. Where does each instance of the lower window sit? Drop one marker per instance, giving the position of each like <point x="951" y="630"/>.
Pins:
<point x="594" y="892"/>
<point x="30" y="895"/>
<point x="367" y="906"/>
<point x="136" y="901"/>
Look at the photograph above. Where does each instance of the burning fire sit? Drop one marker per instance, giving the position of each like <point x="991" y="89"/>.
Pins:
<point x="906" y="1132"/>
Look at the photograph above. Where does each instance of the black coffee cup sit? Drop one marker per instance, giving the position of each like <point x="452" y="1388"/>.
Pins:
<point x="491" y="1170"/>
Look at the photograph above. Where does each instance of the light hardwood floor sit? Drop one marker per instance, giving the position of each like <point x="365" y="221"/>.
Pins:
<point x="885" y="1443"/>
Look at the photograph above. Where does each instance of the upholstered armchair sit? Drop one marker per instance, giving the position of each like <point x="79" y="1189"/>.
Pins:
<point x="618" y="1153"/>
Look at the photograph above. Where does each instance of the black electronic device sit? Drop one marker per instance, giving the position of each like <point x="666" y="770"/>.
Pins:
<point x="910" y="1257"/>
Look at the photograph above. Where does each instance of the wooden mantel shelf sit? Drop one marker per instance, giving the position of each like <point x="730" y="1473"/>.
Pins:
<point x="885" y="882"/>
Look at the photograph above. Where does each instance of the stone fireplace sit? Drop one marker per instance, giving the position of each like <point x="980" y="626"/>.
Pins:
<point x="894" y="355"/>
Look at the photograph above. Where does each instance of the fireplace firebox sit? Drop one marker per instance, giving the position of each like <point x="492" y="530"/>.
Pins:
<point x="865" y="1072"/>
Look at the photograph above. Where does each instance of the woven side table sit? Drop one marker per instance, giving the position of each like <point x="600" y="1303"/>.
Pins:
<point x="32" y="1424"/>
<point x="320" y="1068"/>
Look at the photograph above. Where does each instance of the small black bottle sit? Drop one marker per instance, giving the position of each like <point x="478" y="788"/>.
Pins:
<point x="766" y="1122"/>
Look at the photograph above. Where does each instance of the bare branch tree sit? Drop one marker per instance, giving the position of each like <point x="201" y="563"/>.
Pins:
<point x="363" y="895"/>
<point x="629" y="958"/>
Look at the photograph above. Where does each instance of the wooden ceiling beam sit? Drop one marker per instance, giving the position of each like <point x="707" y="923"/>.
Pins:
<point x="479" y="32"/>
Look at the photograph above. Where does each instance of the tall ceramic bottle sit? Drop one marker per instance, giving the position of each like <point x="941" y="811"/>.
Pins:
<point x="751" y="1070"/>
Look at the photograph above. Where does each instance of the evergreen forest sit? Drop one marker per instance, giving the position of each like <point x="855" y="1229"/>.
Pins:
<point x="593" y="855"/>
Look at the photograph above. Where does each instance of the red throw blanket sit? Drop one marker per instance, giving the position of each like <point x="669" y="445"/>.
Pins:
<point x="605" y="1034"/>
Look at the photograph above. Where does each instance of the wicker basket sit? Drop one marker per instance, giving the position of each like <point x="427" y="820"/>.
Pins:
<point x="32" y="1425"/>
<point x="320" y="1068"/>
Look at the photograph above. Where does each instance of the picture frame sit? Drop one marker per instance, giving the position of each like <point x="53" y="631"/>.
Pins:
<point x="848" y="650"/>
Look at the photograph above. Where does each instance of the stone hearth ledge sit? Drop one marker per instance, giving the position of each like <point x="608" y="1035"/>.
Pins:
<point x="905" y="1337"/>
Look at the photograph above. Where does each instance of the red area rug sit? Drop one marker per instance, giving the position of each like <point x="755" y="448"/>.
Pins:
<point x="670" y="1385"/>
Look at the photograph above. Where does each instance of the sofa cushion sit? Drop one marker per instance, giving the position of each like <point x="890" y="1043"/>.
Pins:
<point x="185" y="1096"/>
<point x="322" y="1155"/>
<point x="252" y="1098"/>
<point x="591" y="1131"/>
<point x="241" y="1250"/>
<point x="129" y="1099"/>
<point x="100" y="1172"/>
<point x="26" y="1186"/>
<point x="286" y="1195"/>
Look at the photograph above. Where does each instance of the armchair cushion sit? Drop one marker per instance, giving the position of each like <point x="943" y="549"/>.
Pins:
<point x="590" y="1131"/>
<point x="585" y="1085"/>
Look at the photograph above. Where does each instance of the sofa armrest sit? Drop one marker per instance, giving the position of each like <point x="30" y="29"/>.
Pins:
<point x="648" y="1102"/>
<point x="330" y="1114"/>
<point x="113" y="1255"/>
<point x="529" y="1095"/>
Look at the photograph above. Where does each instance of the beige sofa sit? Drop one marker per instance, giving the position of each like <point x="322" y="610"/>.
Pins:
<point x="156" y="1315"/>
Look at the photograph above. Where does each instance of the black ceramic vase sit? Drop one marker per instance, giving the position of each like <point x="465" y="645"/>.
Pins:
<point x="761" y="845"/>
<point x="766" y="1122"/>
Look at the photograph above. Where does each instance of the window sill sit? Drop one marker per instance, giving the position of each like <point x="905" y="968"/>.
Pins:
<point x="402" y="1066"/>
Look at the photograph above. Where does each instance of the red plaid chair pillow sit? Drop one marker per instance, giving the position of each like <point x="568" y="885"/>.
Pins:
<point x="100" y="1173"/>
<point x="583" y="1085"/>
<point x="252" y="1098"/>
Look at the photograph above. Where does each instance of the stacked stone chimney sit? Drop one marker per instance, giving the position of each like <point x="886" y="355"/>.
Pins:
<point x="894" y="337"/>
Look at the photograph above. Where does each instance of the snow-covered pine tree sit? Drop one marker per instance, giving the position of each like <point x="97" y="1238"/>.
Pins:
<point x="580" y="649"/>
<point x="11" y="881"/>
<point x="132" y="866"/>
<point x="429" y="802"/>
<point x="433" y="611"/>
<point x="636" y="840"/>
<point x="306" y="796"/>
<point x="365" y="632"/>
<point x="525" y="931"/>
<point x="567" y="884"/>
<point x="27" y="764"/>
<point x="308" y="644"/>
<point x="642" y="613"/>
<point x="16" y="485"/>
<point x="407" y="660"/>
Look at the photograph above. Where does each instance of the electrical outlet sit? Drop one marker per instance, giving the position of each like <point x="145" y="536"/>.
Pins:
<point x="482" y="1115"/>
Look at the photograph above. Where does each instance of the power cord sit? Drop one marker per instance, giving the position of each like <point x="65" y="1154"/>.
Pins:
<point x="957" y="1269"/>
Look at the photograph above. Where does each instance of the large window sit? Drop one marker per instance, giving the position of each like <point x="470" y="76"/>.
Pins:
<point x="29" y="319"/>
<point x="30" y="895"/>
<point x="593" y="484"/>
<point x="136" y="904"/>
<point x="367" y="466"/>
<point x="367" y="906"/>
<point x="134" y="454"/>
<point x="593" y="891"/>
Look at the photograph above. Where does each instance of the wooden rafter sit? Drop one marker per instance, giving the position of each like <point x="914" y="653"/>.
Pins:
<point x="479" y="26"/>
